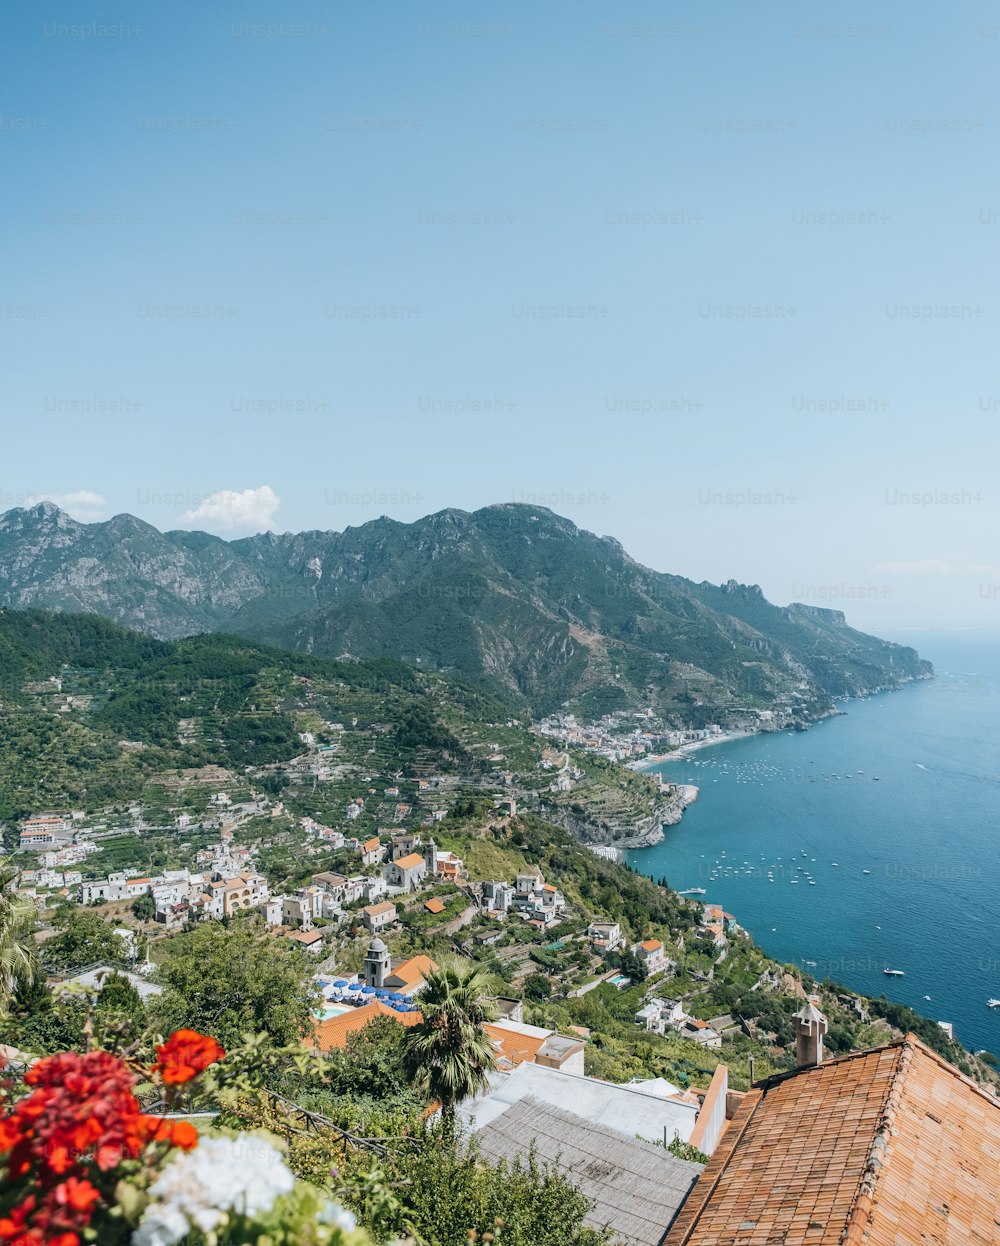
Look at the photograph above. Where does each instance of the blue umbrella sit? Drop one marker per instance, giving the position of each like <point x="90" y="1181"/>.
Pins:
<point x="396" y="995"/>
<point x="382" y="994"/>
<point x="367" y="990"/>
<point x="340" y="982"/>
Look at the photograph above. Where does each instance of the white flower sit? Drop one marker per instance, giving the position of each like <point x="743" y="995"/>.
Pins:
<point x="199" y="1188"/>
<point x="339" y="1217"/>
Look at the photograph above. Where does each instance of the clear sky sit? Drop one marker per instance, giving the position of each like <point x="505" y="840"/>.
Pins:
<point x="718" y="279"/>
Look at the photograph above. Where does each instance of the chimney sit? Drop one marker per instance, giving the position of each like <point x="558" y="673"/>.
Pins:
<point x="810" y="1026"/>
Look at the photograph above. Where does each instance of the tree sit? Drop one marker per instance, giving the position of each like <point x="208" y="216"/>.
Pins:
<point x="144" y="907"/>
<point x="232" y="981"/>
<point x="537" y="987"/>
<point x="448" y="1194"/>
<point x="17" y="956"/>
<point x="632" y="967"/>
<point x="85" y="938"/>
<point x="449" y="1055"/>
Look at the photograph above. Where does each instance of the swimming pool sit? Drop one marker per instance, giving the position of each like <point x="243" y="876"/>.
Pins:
<point x="332" y="1010"/>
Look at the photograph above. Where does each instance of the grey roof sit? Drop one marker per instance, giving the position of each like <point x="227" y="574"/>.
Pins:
<point x="630" y="1110"/>
<point x="95" y="975"/>
<point x="634" y="1187"/>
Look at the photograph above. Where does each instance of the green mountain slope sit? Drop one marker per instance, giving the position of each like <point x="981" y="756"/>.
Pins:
<point x="512" y="596"/>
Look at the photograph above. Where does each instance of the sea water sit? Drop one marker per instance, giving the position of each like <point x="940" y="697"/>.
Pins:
<point x="887" y="817"/>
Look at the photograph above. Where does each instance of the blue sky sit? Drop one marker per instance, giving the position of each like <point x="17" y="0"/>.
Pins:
<point x="718" y="279"/>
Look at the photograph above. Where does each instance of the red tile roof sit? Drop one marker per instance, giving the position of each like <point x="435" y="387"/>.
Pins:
<point x="888" y="1147"/>
<point x="335" y="1031"/>
<point x="434" y="905"/>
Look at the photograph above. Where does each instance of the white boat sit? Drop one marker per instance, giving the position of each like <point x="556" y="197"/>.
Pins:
<point x="692" y="891"/>
<point x="893" y="973"/>
<point x="993" y="1003"/>
<point x="866" y="871"/>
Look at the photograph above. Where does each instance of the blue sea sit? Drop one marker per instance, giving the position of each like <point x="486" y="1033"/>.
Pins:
<point x="892" y="810"/>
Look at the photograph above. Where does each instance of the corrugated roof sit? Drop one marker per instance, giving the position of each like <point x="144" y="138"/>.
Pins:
<point x="887" y="1147"/>
<point x="634" y="1186"/>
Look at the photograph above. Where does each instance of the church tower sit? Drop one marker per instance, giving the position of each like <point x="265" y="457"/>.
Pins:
<point x="377" y="964"/>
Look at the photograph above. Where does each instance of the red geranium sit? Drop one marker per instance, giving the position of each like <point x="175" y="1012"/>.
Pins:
<point x="184" y="1055"/>
<point x="65" y="1140"/>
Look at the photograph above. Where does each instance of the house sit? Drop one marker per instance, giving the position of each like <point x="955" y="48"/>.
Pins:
<point x="517" y="1043"/>
<point x="43" y="831"/>
<point x="630" y="1186"/>
<point x="652" y="955"/>
<point x="297" y="911"/>
<point x="377" y="917"/>
<point x="408" y="976"/>
<point x="892" y="1146"/>
<point x="604" y="937"/>
<point x="700" y="1032"/>
<point x="371" y="851"/>
<point x="497" y="897"/>
<point x="434" y="905"/>
<point x="407" y="873"/>
<point x="310" y="941"/>
<point x="403" y="844"/>
<point x="270" y="910"/>
<point x="243" y="892"/>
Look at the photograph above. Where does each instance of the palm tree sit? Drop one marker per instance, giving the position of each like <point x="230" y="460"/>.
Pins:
<point x="17" y="953"/>
<point x="449" y="1055"/>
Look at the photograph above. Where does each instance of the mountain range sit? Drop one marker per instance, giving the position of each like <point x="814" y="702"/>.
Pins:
<point x="513" y="596"/>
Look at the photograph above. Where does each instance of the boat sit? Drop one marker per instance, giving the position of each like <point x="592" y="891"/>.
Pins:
<point x="866" y="871"/>
<point x="993" y="1003"/>
<point x="692" y="891"/>
<point x="893" y="973"/>
<point x="835" y="864"/>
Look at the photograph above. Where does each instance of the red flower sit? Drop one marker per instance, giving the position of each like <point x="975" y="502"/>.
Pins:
<point x="184" y="1055"/>
<point x="62" y="1144"/>
<point x="77" y="1195"/>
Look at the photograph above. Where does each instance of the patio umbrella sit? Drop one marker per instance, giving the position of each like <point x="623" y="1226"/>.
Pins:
<point x="367" y="990"/>
<point x="396" y="995"/>
<point x="341" y="982"/>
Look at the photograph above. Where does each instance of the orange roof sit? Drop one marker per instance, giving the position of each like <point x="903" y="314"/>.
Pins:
<point x="309" y="937"/>
<point x="376" y="910"/>
<point x="409" y="973"/>
<point x="549" y="887"/>
<point x="434" y="905"/>
<point x="887" y="1147"/>
<point x="371" y="844"/>
<point x="714" y="912"/>
<point x="651" y="945"/>
<point x="335" y="1031"/>
<point x="515" y="1047"/>
<point x="407" y="863"/>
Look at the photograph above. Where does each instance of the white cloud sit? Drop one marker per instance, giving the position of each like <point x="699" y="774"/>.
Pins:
<point x="936" y="566"/>
<point x="229" y="510"/>
<point x="83" y="504"/>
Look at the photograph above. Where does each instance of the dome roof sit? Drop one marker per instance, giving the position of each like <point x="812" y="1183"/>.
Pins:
<point x="377" y="945"/>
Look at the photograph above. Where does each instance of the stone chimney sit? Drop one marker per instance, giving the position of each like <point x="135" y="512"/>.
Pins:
<point x="810" y="1026"/>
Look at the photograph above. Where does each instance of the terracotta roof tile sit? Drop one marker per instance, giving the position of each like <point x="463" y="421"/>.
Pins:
<point x="408" y="863"/>
<point x="888" y="1147"/>
<point x="335" y="1031"/>
<point x="512" y="1046"/>
<point x="434" y="905"/>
